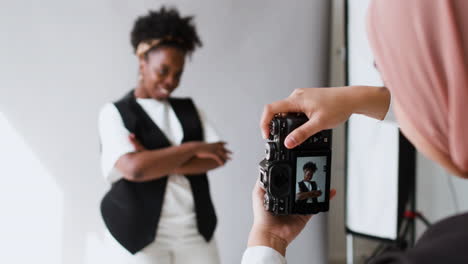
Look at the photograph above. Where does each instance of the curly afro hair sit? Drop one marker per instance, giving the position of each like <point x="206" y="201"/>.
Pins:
<point x="166" y="23"/>
<point x="310" y="166"/>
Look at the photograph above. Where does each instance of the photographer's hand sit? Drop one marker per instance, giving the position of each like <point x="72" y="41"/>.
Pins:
<point x="276" y="232"/>
<point x="327" y="108"/>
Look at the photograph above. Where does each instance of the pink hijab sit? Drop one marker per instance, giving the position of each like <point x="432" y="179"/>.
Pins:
<point x="421" y="50"/>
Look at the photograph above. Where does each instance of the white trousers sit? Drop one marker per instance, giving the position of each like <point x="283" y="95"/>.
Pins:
<point x="196" y="252"/>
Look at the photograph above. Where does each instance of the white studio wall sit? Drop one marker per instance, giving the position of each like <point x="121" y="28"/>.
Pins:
<point x="62" y="60"/>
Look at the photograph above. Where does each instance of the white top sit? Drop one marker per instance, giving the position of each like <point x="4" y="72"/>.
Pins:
<point x="262" y="255"/>
<point x="177" y="222"/>
<point x="390" y="116"/>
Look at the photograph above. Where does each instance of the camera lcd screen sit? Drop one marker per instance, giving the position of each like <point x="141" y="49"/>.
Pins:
<point x="311" y="181"/>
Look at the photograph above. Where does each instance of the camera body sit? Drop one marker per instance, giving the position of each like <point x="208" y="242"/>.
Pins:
<point x="296" y="181"/>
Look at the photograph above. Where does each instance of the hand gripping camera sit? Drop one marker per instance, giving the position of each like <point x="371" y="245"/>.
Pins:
<point x="296" y="181"/>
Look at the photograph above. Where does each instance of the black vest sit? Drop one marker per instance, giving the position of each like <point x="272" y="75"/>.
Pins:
<point x="303" y="188"/>
<point x="131" y="210"/>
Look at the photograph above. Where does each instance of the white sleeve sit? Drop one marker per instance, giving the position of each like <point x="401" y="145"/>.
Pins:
<point x="114" y="141"/>
<point x="390" y="116"/>
<point x="211" y="135"/>
<point x="262" y="255"/>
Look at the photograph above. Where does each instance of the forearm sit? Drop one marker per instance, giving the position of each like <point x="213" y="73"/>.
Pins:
<point x="313" y="194"/>
<point x="261" y="237"/>
<point x="153" y="164"/>
<point x="307" y="195"/>
<point x="196" y="166"/>
<point x="371" y="101"/>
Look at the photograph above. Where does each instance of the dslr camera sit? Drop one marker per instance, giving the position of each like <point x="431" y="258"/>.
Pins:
<point x="296" y="181"/>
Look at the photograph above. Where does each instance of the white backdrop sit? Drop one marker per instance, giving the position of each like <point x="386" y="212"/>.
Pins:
<point x="61" y="60"/>
<point x="372" y="166"/>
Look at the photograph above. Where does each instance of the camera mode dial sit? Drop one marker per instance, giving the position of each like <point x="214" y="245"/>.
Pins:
<point x="270" y="151"/>
<point x="274" y="128"/>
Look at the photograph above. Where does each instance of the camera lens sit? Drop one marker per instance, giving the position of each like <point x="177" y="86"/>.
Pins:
<point x="280" y="180"/>
<point x="270" y="151"/>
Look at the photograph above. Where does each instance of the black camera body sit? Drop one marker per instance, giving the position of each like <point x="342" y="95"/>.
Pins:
<point x="296" y="181"/>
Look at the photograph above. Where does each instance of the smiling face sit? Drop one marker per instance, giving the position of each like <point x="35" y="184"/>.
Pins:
<point x="308" y="174"/>
<point x="161" y="71"/>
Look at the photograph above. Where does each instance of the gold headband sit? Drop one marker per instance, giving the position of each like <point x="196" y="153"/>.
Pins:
<point x="144" y="46"/>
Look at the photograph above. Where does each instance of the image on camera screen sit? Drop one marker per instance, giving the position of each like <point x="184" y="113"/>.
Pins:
<point x="311" y="178"/>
